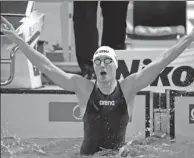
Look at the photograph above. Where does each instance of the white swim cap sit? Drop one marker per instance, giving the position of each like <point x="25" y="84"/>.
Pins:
<point x="107" y="51"/>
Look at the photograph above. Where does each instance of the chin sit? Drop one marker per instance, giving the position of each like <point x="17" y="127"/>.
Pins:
<point x="104" y="79"/>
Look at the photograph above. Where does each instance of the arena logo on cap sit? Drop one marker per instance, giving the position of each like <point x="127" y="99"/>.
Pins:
<point x="102" y="51"/>
<point x="191" y="113"/>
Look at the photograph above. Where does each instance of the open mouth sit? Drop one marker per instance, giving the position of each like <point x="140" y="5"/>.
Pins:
<point x="102" y="73"/>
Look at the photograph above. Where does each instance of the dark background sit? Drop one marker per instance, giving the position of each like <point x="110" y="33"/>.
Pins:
<point x="159" y="13"/>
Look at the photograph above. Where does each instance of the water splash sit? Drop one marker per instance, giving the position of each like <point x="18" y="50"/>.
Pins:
<point x="155" y="146"/>
<point x="13" y="145"/>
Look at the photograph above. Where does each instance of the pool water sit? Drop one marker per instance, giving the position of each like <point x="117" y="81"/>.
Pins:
<point x="152" y="147"/>
<point x="156" y="146"/>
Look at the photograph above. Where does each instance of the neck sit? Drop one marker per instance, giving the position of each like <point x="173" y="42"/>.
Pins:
<point x="107" y="87"/>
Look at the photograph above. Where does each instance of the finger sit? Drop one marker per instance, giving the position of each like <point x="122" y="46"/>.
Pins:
<point x="103" y="149"/>
<point x="4" y="31"/>
<point x="5" y="27"/>
<point x="5" y="21"/>
<point x="124" y="154"/>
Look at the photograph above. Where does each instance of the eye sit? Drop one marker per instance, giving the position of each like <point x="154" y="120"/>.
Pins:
<point x="97" y="61"/>
<point x="108" y="61"/>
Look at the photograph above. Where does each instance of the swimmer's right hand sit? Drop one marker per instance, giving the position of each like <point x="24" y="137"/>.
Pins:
<point x="6" y="27"/>
<point x="124" y="151"/>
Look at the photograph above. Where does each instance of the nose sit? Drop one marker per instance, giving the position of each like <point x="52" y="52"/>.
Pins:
<point x="102" y="64"/>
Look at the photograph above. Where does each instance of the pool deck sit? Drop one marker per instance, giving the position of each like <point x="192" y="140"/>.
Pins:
<point x="46" y="89"/>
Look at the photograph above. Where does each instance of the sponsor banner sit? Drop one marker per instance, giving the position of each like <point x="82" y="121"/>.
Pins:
<point x="184" y="123"/>
<point x="179" y="75"/>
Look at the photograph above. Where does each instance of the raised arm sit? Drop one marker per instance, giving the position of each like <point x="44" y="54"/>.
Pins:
<point x="64" y="80"/>
<point x="146" y="76"/>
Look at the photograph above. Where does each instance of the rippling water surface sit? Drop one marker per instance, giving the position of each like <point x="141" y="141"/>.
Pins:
<point x="153" y="147"/>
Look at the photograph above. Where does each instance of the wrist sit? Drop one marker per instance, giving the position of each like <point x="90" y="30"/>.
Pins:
<point x="16" y="38"/>
<point x="192" y="35"/>
<point x="14" y="35"/>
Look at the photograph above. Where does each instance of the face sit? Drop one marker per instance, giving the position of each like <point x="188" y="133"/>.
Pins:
<point x="104" y="68"/>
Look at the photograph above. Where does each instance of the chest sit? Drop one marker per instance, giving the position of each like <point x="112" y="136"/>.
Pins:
<point x="106" y="107"/>
<point x="108" y="112"/>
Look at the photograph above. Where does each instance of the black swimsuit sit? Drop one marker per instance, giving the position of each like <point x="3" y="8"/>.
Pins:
<point x="105" y="121"/>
